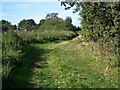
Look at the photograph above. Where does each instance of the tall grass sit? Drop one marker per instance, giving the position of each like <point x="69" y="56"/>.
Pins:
<point x="11" y="52"/>
<point x="46" y="35"/>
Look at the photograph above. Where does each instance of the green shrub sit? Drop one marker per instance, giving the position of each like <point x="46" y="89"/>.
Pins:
<point x="11" y="51"/>
<point x="6" y="70"/>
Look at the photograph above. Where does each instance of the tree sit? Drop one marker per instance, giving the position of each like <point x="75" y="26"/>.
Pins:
<point x="14" y="27"/>
<point x="68" y="23"/>
<point x="41" y="21"/>
<point x="22" y="24"/>
<point x="6" y="25"/>
<point x="65" y="3"/>
<point x="51" y="15"/>
<point x="31" y="22"/>
<point x="76" y="28"/>
<point x="52" y="24"/>
<point x="27" y="24"/>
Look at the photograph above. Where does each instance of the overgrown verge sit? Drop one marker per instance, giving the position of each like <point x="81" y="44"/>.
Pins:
<point x="13" y="45"/>
<point x="11" y="52"/>
<point x="46" y="36"/>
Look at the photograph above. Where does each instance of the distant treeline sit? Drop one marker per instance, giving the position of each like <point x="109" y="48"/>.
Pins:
<point x="51" y="22"/>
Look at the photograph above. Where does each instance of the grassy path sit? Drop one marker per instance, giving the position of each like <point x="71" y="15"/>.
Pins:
<point x="63" y="65"/>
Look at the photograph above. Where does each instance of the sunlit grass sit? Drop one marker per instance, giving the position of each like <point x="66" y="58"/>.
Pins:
<point x="74" y="67"/>
<point x="63" y="65"/>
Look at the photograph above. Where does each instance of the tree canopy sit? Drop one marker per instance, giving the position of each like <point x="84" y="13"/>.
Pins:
<point x="7" y="26"/>
<point x="68" y="23"/>
<point x="28" y="24"/>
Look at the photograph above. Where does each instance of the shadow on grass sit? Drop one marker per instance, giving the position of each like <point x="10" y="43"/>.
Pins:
<point x="21" y="75"/>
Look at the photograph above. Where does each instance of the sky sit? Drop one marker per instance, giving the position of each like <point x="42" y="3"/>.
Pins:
<point x="14" y="11"/>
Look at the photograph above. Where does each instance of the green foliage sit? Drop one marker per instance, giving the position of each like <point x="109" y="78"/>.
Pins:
<point x="46" y="35"/>
<point x="57" y="24"/>
<point x="20" y="76"/>
<point x="27" y="24"/>
<point x="15" y="49"/>
<point x="14" y="27"/>
<point x="52" y="24"/>
<point x="6" y="26"/>
<point x="63" y="65"/>
<point x="11" y="51"/>
<point x="68" y="23"/>
<point x="42" y="21"/>
<point x="99" y="21"/>
<point x="51" y="29"/>
<point x="6" y="69"/>
<point x="66" y="64"/>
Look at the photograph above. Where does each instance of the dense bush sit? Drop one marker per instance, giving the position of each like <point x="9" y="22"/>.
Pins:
<point x="11" y="51"/>
<point x="100" y="22"/>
